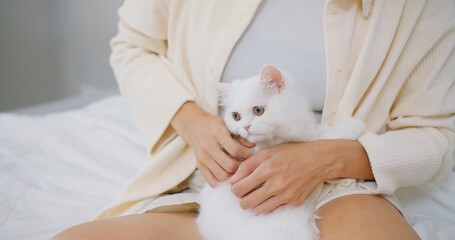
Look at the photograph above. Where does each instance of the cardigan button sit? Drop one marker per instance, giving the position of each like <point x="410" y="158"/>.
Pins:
<point x="241" y="16"/>
<point x="334" y="9"/>
<point x="339" y="67"/>
<point x="212" y="73"/>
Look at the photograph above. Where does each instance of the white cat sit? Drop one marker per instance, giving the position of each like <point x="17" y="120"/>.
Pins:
<point x="266" y="110"/>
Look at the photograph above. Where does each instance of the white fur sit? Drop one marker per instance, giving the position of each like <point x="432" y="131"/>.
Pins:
<point x="221" y="218"/>
<point x="287" y="118"/>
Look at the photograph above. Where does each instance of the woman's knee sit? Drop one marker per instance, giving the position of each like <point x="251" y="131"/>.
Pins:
<point x="363" y="217"/>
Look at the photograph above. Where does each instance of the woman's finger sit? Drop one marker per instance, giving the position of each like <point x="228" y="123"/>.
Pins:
<point x="247" y="167"/>
<point x="249" y="183"/>
<point x="234" y="148"/>
<point x="229" y="164"/>
<point x="244" y="142"/>
<point x="256" y="197"/>
<point x="269" y="205"/>
<point x="208" y="175"/>
<point x="214" y="158"/>
<point x="218" y="171"/>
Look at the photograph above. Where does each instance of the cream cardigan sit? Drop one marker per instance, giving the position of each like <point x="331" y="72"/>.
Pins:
<point x="391" y="63"/>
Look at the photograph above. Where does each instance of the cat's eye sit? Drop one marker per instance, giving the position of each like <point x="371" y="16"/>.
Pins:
<point x="258" y="110"/>
<point x="236" y="116"/>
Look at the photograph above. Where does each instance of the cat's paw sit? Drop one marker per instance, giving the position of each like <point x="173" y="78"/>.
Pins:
<point x="351" y="128"/>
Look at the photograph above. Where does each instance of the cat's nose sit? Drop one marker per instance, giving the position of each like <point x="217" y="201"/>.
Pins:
<point x="247" y="127"/>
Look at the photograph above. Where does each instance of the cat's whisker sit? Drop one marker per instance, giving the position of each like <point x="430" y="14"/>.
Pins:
<point x="283" y="132"/>
<point x="273" y="131"/>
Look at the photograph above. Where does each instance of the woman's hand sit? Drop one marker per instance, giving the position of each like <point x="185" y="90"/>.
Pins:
<point x="289" y="173"/>
<point x="218" y="155"/>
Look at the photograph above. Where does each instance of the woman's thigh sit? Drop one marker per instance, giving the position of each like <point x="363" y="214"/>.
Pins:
<point x="148" y="226"/>
<point x="351" y="217"/>
<point x="363" y="217"/>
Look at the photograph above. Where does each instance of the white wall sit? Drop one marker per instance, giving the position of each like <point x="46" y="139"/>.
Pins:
<point x="52" y="49"/>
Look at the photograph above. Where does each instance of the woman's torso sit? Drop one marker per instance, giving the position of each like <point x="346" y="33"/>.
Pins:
<point x="287" y="34"/>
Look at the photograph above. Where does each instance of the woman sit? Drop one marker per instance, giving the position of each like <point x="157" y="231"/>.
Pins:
<point x="390" y="63"/>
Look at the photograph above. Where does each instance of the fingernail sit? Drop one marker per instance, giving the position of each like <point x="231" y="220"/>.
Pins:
<point x="232" y="179"/>
<point x="256" y="212"/>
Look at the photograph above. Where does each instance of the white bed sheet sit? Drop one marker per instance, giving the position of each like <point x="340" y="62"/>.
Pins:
<point x="60" y="169"/>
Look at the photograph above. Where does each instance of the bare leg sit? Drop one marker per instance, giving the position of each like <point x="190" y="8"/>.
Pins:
<point x="351" y="217"/>
<point x="363" y="217"/>
<point x="155" y="226"/>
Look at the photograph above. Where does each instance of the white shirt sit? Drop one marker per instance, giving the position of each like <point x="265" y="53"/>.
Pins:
<point x="287" y="34"/>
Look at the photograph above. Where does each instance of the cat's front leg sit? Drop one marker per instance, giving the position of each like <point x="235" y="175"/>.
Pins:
<point x="349" y="128"/>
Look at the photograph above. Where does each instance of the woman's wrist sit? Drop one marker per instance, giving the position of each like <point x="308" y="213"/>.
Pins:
<point x="184" y="116"/>
<point x="347" y="159"/>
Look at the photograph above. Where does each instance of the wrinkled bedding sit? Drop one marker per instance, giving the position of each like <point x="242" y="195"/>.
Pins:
<point x="60" y="169"/>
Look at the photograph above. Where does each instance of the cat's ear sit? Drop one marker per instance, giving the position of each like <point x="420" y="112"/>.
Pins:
<point x="223" y="88"/>
<point x="272" y="79"/>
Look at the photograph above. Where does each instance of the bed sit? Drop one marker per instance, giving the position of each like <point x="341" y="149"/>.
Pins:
<point x="59" y="167"/>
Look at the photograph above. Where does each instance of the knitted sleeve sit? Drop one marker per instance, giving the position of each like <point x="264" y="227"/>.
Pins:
<point x="145" y="77"/>
<point x="418" y="145"/>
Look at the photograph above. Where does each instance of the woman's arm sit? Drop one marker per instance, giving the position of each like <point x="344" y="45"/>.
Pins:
<point x="349" y="159"/>
<point x="417" y="147"/>
<point x="218" y="155"/>
<point x="145" y="77"/>
<point x="159" y="101"/>
<point x="289" y="173"/>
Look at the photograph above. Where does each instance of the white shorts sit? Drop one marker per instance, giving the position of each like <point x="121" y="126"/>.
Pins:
<point x="186" y="198"/>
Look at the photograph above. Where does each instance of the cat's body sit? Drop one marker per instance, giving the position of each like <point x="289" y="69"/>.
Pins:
<point x="266" y="110"/>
